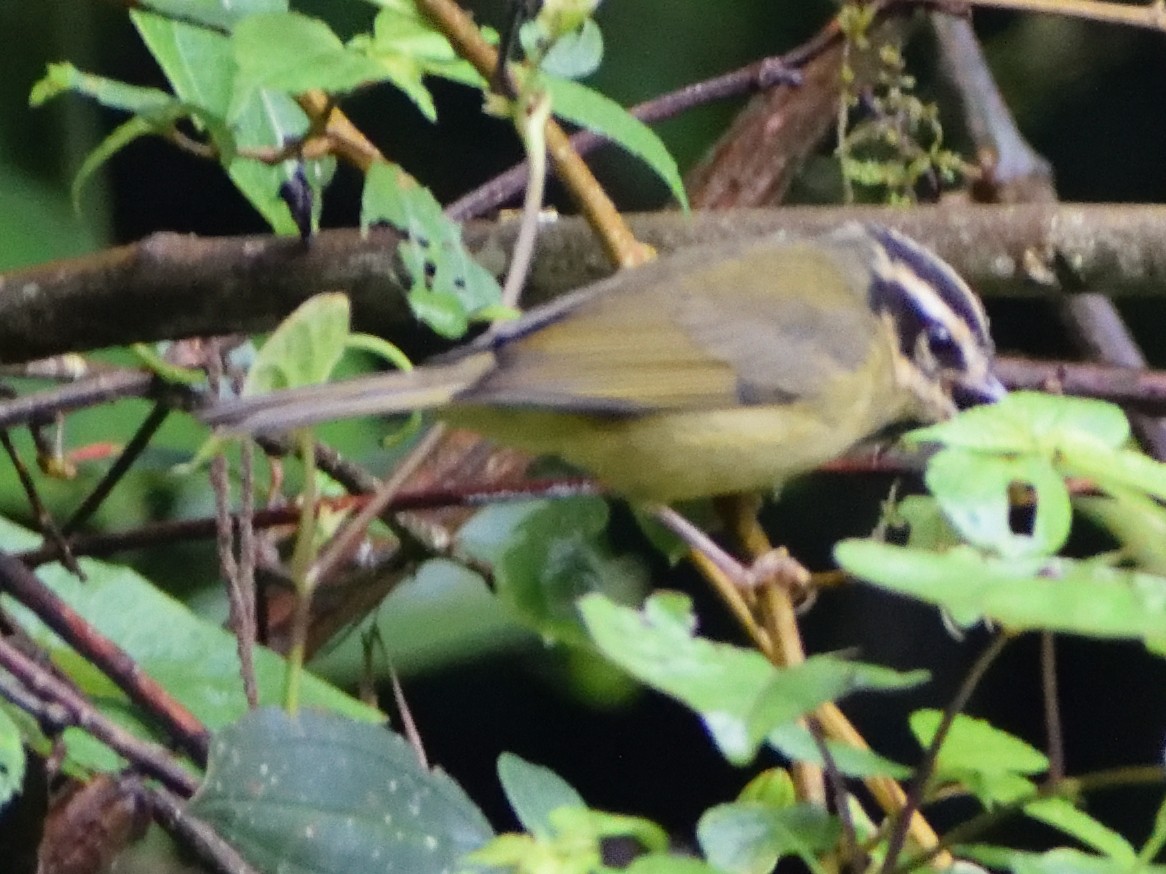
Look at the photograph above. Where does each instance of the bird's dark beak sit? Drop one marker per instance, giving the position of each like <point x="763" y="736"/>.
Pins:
<point x="986" y="389"/>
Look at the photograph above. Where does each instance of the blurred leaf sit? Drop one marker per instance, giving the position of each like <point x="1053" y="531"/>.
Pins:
<point x="12" y="759"/>
<point x="1029" y="422"/>
<point x="1063" y="816"/>
<point x="62" y="78"/>
<point x="571" y="55"/>
<point x="534" y="792"/>
<point x="796" y="743"/>
<point x="214" y="14"/>
<point x="36" y="222"/>
<point x="740" y="696"/>
<point x="748" y="837"/>
<point x="1138" y="523"/>
<point x="976" y="745"/>
<point x="773" y="787"/>
<point x="131" y="611"/>
<point x="573" y="844"/>
<point x="1056" y="594"/>
<point x="319" y="794"/>
<point x="666" y="863"/>
<point x="583" y="106"/>
<point x="1115" y="470"/>
<point x="1059" y="861"/>
<point x="557" y="554"/>
<point x="973" y="492"/>
<point x="448" y="287"/>
<point x="201" y="69"/>
<point x="304" y="349"/>
<point x="293" y="53"/>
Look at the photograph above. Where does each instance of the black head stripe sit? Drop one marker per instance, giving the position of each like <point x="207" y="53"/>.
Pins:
<point x="937" y="274"/>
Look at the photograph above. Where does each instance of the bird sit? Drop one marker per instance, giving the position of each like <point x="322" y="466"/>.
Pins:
<point x="720" y="369"/>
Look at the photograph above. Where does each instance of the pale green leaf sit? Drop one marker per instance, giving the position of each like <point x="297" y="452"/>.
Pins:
<point x="12" y="759"/>
<point x="973" y="491"/>
<point x="64" y="77"/>
<point x="1055" y="594"/>
<point x="976" y="745"/>
<point x="448" y="288"/>
<point x="1030" y="422"/>
<point x="304" y="349"/>
<point x="795" y="742"/>
<point x="750" y="838"/>
<point x="588" y="108"/>
<point x="738" y="693"/>
<point x="534" y="792"/>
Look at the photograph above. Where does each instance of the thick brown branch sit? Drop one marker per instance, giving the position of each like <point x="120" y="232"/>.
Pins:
<point x="171" y="285"/>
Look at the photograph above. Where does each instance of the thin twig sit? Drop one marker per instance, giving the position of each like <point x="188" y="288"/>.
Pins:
<point x="1054" y="731"/>
<point x="118" y="469"/>
<point x="171" y="814"/>
<point x="926" y="767"/>
<point x="152" y="758"/>
<point x="19" y="582"/>
<point x="44" y="519"/>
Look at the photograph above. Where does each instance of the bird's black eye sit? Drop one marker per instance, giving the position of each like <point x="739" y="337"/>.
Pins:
<point x="943" y="346"/>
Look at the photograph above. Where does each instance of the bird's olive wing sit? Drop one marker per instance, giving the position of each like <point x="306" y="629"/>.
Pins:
<point x="770" y="323"/>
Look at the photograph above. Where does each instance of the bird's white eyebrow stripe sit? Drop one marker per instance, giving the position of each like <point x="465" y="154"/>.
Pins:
<point x="942" y="280"/>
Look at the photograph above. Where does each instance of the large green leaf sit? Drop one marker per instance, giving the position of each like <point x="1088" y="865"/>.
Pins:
<point x="195" y="660"/>
<point x="740" y="696"/>
<point x="1056" y="594"/>
<point x="316" y="793"/>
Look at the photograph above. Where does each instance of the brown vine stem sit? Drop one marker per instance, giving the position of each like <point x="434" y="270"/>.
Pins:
<point x="619" y="242"/>
<point x="1150" y="15"/>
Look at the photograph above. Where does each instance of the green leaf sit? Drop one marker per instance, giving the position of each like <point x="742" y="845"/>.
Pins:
<point x="571" y="55"/>
<point x="976" y="745"/>
<point x="588" y="108"/>
<point x="750" y="837"/>
<point x="1029" y="422"/>
<point x="740" y="696"/>
<point x="1055" y="594"/>
<point x="201" y="69"/>
<point x="304" y="349"/>
<point x="294" y="53"/>
<point x="1114" y="470"/>
<point x="1063" y="816"/>
<point x="12" y="759"/>
<point x="557" y="554"/>
<point x="795" y="742"/>
<point x="214" y="14"/>
<point x="130" y="610"/>
<point x="448" y="288"/>
<point x="120" y="137"/>
<point x="319" y="794"/>
<point x="666" y="863"/>
<point x="110" y="93"/>
<point x="534" y="792"/>
<point x="1059" y="861"/>
<point x="973" y="492"/>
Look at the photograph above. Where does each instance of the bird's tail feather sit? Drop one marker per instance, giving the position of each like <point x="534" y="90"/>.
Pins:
<point x="377" y="394"/>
